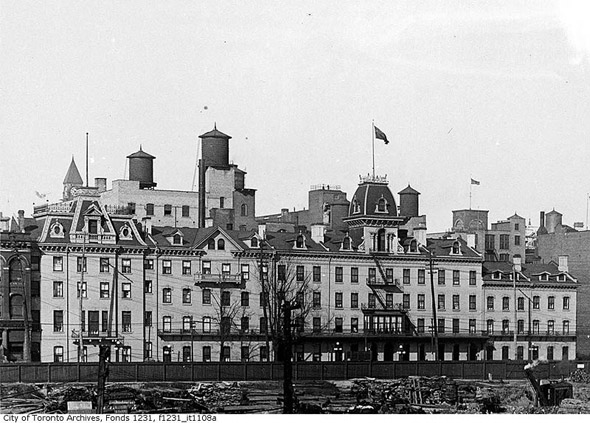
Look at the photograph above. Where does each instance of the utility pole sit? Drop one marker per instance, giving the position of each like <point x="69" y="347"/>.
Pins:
<point x="287" y="353"/>
<point x="434" y="323"/>
<point x="81" y="293"/>
<point x="103" y="372"/>
<point x="265" y="296"/>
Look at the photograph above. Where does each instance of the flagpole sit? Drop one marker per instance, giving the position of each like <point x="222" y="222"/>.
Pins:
<point x="470" y="188"/>
<point x="373" y="137"/>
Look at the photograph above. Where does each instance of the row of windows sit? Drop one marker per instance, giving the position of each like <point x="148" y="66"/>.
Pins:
<point x="504" y="241"/>
<point x="98" y="321"/>
<point x="534" y="353"/>
<point x="535" y="303"/>
<point x="535" y="327"/>
<point x="246" y="353"/>
<point x="58" y="354"/>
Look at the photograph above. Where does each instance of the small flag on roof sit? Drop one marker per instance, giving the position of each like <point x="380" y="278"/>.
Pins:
<point x="379" y="134"/>
<point x="474" y="182"/>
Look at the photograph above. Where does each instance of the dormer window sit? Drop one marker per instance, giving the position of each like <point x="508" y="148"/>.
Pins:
<point x="125" y="232"/>
<point x="346" y="244"/>
<point x="456" y="249"/>
<point x="254" y="242"/>
<point x="381" y="205"/>
<point x="544" y="277"/>
<point x="211" y="244"/>
<point x="497" y="275"/>
<point x="92" y="226"/>
<point x="561" y="278"/>
<point x="413" y="246"/>
<point x="221" y="244"/>
<point x="300" y="242"/>
<point x="356" y="207"/>
<point x="57" y="230"/>
<point x="177" y="239"/>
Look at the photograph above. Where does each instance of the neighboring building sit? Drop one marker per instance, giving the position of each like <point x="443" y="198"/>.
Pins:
<point x="544" y="301"/>
<point x="19" y="290"/>
<point x="555" y="239"/>
<point x="501" y="242"/>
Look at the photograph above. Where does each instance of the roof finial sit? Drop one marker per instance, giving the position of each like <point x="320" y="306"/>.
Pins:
<point x="215" y="126"/>
<point x="140" y="147"/>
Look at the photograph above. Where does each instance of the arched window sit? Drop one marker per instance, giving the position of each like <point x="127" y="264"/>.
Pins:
<point x="413" y="246"/>
<point x="244" y="210"/>
<point x="16" y="306"/>
<point x="211" y="244"/>
<point x="221" y="244"/>
<point x="382" y="205"/>
<point x="177" y="240"/>
<point x="456" y="248"/>
<point x="299" y="242"/>
<point x="346" y="243"/>
<point x="254" y="242"/>
<point x="356" y="207"/>
<point x="381" y="240"/>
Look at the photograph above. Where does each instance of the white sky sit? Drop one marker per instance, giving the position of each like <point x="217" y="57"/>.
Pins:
<point x="497" y="91"/>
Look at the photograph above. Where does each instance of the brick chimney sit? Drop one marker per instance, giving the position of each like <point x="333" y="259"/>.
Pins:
<point x="517" y="262"/>
<point x="317" y="232"/>
<point x="21" y="220"/>
<point x="563" y="266"/>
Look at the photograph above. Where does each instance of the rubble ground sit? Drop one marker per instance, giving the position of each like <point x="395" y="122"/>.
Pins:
<point x="362" y="395"/>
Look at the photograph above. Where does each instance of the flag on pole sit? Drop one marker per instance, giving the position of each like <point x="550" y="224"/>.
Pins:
<point x="380" y="135"/>
<point x="474" y="182"/>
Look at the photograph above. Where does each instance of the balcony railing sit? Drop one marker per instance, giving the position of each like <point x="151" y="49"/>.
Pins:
<point x="54" y="208"/>
<point x="378" y="307"/>
<point x="92" y="336"/>
<point x="93" y="238"/>
<point x="378" y="281"/>
<point x="218" y="278"/>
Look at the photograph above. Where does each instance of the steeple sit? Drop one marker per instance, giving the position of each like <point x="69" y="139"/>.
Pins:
<point x="72" y="179"/>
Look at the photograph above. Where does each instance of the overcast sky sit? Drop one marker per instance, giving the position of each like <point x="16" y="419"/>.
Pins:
<point x="495" y="91"/>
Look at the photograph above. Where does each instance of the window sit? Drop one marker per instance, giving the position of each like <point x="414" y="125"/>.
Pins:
<point x="338" y="299"/>
<point x="504" y="242"/>
<point x="339" y="275"/>
<point x="421" y="276"/>
<point x="186" y="296"/>
<point x="389" y="276"/>
<point x="206" y="268"/>
<point x="566" y="327"/>
<point x="186" y="211"/>
<point x="245" y="272"/>
<point x="225" y="269"/>
<point x="354" y="325"/>
<point x="505" y="303"/>
<point x="516" y="239"/>
<point x="147" y="286"/>
<point x="186" y="267"/>
<point x="456" y="277"/>
<point x="505" y="326"/>
<point x="354" y="275"/>
<point x="441" y="326"/>
<point x="58" y="266"/>
<point x="166" y="324"/>
<point x="420" y="325"/>
<point x="505" y="353"/>
<point x="473" y="302"/>
<point x="147" y="350"/>
<point x="149" y="209"/>
<point x="84" y="290"/>
<point x="262" y="325"/>
<point x="354" y="300"/>
<point x="566" y="303"/>
<point x="126" y="290"/>
<point x="520" y="352"/>
<point x="211" y="244"/>
<point x="206" y="296"/>
<point x="490" y="325"/>
<point x="406" y="301"/>
<point x="225" y="298"/>
<point x="490" y="303"/>
<point x="167" y="296"/>
<point x="551" y="303"/>
<point x="245" y="299"/>
<point x="536" y="327"/>
<point x="300" y="299"/>
<point x="300" y="273"/>
<point x="263" y="353"/>
<point x="254" y="242"/>
<point x="472" y="277"/>
<point x="421" y="302"/>
<point x="167" y="209"/>
<point x="263" y="299"/>
<point x="389" y="301"/>
<point x="317" y="324"/>
<point x="536" y="302"/>
<point x="104" y="265"/>
<point x="441" y="301"/>
<point x="520" y="303"/>
<point x="550" y="352"/>
<point x="58" y="289"/>
<point x="166" y="267"/>
<point x="58" y="354"/>
<point x="244" y="210"/>
<point x="105" y="321"/>
<point x="221" y="202"/>
<point x="148" y="264"/>
<point x="472" y="325"/>
<point x="58" y="320"/>
<point x="79" y="266"/>
<point x="317" y="299"/>
<point x="372" y="300"/>
<point x="516" y="226"/>
<point x="186" y="354"/>
<point x="406" y="277"/>
<point x="346" y="243"/>
<point x="93" y="226"/>
<point x="221" y="244"/>
<point x="550" y="327"/>
<point x="206" y="324"/>
<point x="245" y="324"/>
<point x="372" y="275"/>
<point x="225" y="325"/>
<point x="125" y="265"/>
<point x="456" y="302"/>
<point x="455" y="325"/>
<point x="104" y="290"/>
<point x="126" y="321"/>
<point x="565" y="353"/>
<point x="317" y="274"/>
<point x="282" y="272"/>
<point x="338" y="325"/>
<point x="441" y="277"/>
<point x="206" y="353"/>
<point x="520" y="326"/>
<point x="147" y="318"/>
